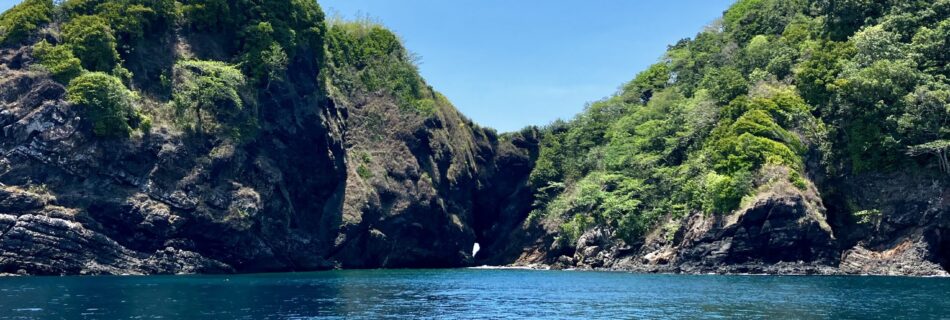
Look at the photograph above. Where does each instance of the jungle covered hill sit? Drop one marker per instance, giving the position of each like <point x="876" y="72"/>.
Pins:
<point x="835" y="111"/>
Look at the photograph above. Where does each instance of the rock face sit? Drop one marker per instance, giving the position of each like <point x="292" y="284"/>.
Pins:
<point x="324" y="185"/>
<point x="782" y="231"/>
<point x="904" y="226"/>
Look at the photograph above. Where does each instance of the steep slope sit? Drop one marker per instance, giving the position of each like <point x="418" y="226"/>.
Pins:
<point x="221" y="136"/>
<point x="804" y="136"/>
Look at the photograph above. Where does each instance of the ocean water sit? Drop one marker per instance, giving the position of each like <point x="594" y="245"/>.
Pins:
<point x="473" y="294"/>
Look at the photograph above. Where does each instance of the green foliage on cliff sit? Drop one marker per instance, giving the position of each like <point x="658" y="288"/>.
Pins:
<point x="365" y="57"/>
<point x="91" y="39"/>
<point x="263" y="49"/>
<point x="23" y="20"/>
<point x="130" y="21"/>
<point x="252" y="29"/>
<point x="107" y="105"/>
<point x="59" y="61"/>
<point x="856" y="85"/>
<point x="208" y="98"/>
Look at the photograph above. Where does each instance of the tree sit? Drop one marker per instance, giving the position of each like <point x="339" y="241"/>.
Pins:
<point x="940" y="149"/>
<point x="642" y="88"/>
<point x="748" y="18"/>
<point x="59" y="60"/>
<point x="844" y="17"/>
<point x="725" y="84"/>
<point x="932" y="46"/>
<point x="274" y="62"/>
<point x="209" y="87"/>
<point x="874" y="44"/>
<point x="134" y="20"/>
<point x="92" y="41"/>
<point x="816" y="75"/>
<point x="24" y="19"/>
<point x="106" y="103"/>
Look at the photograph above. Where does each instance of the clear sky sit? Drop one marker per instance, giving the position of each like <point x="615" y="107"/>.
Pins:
<point x="512" y="63"/>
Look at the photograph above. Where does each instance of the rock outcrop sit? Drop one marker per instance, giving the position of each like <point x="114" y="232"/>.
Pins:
<point x="783" y="230"/>
<point x="322" y="186"/>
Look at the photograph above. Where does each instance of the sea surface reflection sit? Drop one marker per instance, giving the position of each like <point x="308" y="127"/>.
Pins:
<point x="471" y="293"/>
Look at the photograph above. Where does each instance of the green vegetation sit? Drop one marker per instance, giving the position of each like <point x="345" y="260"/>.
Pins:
<point x="59" y="61"/>
<point x="131" y="21"/>
<point x="260" y="46"/>
<point x="257" y="41"/>
<point x="91" y="39"/>
<point x="860" y="84"/>
<point x="208" y="97"/>
<point x="23" y="20"/>
<point x="250" y="30"/>
<point x="366" y="57"/>
<point x="107" y="105"/>
<point x="851" y="86"/>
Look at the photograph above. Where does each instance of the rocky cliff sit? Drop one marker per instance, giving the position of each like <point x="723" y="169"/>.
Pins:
<point x="253" y="136"/>
<point x="781" y="231"/>
<point x="361" y="184"/>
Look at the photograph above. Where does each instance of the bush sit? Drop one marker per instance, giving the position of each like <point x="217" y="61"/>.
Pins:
<point x="724" y="193"/>
<point x="208" y="97"/>
<point x="365" y="57"/>
<point x="106" y="103"/>
<point x="92" y="41"/>
<point x="134" y="20"/>
<point x="24" y="19"/>
<point x="59" y="60"/>
<point x="249" y="28"/>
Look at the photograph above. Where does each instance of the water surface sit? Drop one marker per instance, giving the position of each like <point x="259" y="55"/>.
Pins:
<point x="472" y="293"/>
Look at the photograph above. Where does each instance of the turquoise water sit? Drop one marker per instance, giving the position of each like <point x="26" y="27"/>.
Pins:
<point x="472" y="293"/>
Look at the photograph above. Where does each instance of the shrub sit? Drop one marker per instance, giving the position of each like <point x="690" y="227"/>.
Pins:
<point x="365" y="57"/>
<point x="24" y="19"/>
<point x="576" y="226"/>
<point x="134" y="20"/>
<point x="364" y="171"/>
<point x="249" y="28"/>
<point x="59" y="60"/>
<point x="92" y="41"/>
<point x="106" y="103"/>
<point x="207" y="96"/>
<point x="724" y="193"/>
<point x="797" y="180"/>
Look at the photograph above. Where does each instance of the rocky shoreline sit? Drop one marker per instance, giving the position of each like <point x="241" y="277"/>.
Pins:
<point x="326" y="174"/>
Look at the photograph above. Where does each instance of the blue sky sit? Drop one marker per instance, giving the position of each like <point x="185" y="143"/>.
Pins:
<point x="508" y="64"/>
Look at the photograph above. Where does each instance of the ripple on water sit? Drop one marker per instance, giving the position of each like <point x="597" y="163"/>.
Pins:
<point x="484" y="293"/>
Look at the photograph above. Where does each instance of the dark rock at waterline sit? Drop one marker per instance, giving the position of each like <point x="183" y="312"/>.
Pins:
<point x="783" y="230"/>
